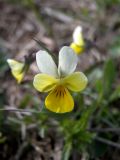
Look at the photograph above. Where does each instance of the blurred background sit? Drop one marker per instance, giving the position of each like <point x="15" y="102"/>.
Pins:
<point x="92" y="130"/>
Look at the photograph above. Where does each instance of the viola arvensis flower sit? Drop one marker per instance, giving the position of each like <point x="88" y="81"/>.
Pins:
<point x="17" y="69"/>
<point x="58" y="81"/>
<point x="78" y="43"/>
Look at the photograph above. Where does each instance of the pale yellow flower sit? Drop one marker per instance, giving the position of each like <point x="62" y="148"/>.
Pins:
<point x="78" y="43"/>
<point x="58" y="81"/>
<point x="17" y="69"/>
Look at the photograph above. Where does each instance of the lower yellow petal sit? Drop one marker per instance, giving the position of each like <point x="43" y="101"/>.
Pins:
<point x="76" y="81"/>
<point x="59" y="100"/>
<point x="18" y="76"/>
<point x="44" y="82"/>
<point x="77" y="49"/>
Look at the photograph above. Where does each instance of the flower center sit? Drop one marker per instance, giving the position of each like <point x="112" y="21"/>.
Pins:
<point x="60" y="91"/>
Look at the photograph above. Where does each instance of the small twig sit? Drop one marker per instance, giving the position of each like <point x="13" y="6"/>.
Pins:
<point x="21" y="150"/>
<point x="108" y="142"/>
<point x="105" y="130"/>
<point x="31" y="126"/>
<point x="19" y="110"/>
<point x="107" y="122"/>
<point x="58" y="15"/>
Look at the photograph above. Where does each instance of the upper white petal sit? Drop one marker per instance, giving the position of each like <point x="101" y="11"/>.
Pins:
<point x="77" y="36"/>
<point x="67" y="61"/>
<point x="46" y="64"/>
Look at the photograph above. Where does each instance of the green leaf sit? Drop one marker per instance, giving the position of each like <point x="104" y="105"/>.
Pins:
<point x="2" y="139"/>
<point x="85" y="136"/>
<point x="25" y="101"/>
<point x="116" y="94"/>
<point x="2" y="113"/>
<point x="66" y="151"/>
<point x="109" y="76"/>
<point x="97" y="149"/>
<point x="114" y="49"/>
<point x="99" y="86"/>
<point x="107" y="3"/>
<point x="3" y="63"/>
<point x="95" y="74"/>
<point x="83" y="122"/>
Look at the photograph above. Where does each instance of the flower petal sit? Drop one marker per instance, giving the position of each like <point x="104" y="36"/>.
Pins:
<point x="46" y="64"/>
<point x="67" y="61"/>
<point x="76" y="81"/>
<point x="16" y="69"/>
<point x="59" y="100"/>
<point x="77" y="49"/>
<point x="78" y="37"/>
<point x="44" y="82"/>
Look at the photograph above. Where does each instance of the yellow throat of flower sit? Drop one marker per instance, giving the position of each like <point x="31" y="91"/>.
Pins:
<point x="76" y="48"/>
<point x="59" y="100"/>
